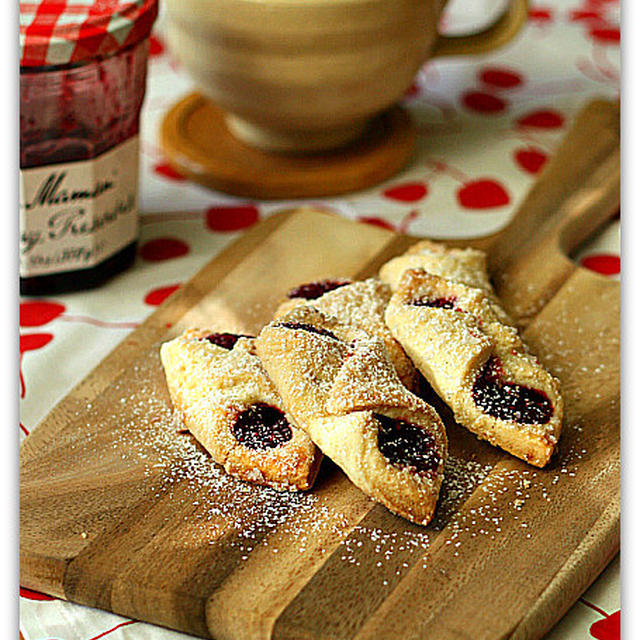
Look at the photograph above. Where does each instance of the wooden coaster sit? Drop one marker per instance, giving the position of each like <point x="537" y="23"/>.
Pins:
<point x="198" y="144"/>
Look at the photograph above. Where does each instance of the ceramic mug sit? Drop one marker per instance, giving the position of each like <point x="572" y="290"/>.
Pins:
<point x="305" y="75"/>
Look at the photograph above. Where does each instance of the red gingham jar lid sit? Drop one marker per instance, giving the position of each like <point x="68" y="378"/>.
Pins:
<point x="55" y="32"/>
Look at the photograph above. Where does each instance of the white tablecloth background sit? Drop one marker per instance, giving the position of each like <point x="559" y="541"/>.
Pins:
<point x="486" y="126"/>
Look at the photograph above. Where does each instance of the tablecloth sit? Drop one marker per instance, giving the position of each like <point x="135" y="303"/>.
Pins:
<point x="487" y="125"/>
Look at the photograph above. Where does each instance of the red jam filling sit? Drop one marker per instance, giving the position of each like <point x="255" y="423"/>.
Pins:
<point x="78" y="112"/>
<point x="507" y="400"/>
<point x="439" y="303"/>
<point x="313" y="290"/>
<point x="75" y="113"/>
<point x="405" y="444"/>
<point x="261" y="427"/>
<point x="308" y="327"/>
<point x="225" y="340"/>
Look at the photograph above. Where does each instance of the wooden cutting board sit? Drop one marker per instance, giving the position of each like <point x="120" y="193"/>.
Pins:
<point x="121" y="512"/>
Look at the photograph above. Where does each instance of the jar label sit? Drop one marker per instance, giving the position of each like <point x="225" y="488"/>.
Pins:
<point x="76" y="215"/>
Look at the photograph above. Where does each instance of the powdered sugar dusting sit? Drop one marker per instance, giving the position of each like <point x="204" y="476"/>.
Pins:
<point x="217" y="509"/>
<point x="477" y="500"/>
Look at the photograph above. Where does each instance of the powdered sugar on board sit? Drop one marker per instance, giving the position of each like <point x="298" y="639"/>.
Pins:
<point x="145" y="434"/>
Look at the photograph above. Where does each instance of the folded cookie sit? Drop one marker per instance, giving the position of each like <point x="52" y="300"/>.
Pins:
<point x="227" y="401"/>
<point x="359" y="304"/>
<point x="308" y="291"/>
<point x="340" y="387"/>
<point x="461" y="341"/>
<point x="468" y="266"/>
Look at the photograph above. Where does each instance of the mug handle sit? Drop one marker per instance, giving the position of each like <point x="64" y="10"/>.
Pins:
<point x="499" y="33"/>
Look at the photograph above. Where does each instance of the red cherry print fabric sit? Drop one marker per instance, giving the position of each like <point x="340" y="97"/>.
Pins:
<point x="485" y="126"/>
<point x="31" y="342"/>
<point x="606" y="264"/>
<point x="37" y="313"/>
<point x="586" y="15"/>
<point x="605" y="35"/>
<point x="542" y="119"/>
<point x="482" y="194"/>
<point x="34" y="595"/>
<point x="501" y="77"/>
<point x="112" y="629"/>
<point x="157" y="296"/>
<point x="483" y="102"/>
<point x="34" y="341"/>
<point x="540" y="14"/>
<point x="377" y="222"/>
<point x="234" y="218"/>
<point x="407" y="192"/>
<point x="606" y="629"/>
<point x="530" y="159"/>
<point x="160" y="249"/>
<point x="167" y="171"/>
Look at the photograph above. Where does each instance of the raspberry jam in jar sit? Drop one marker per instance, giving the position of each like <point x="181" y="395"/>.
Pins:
<point x="82" y="82"/>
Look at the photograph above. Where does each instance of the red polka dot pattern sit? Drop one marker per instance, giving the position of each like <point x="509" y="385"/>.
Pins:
<point x="160" y="249"/>
<point x="34" y="595"/>
<point x="103" y="634"/>
<point x="530" y="159"/>
<point x="501" y="78"/>
<point x="578" y="15"/>
<point x="482" y="194"/>
<point x="39" y="312"/>
<point x="605" y="35"/>
<point x="606" y="629"/>
<point x="157" y="296"/>
<point x="540" y="14"/>
<point x="479" y="149"/>
<point x="407" y="192"/>
<point x="231" y="218"/>
<point x="33" y="341"/>
<point x="167" y="171"/>
<point x="542" y="119"/>
<point x="606" y="264"/>
<point x="482" y="102"/>
<point x="377" y="222"/>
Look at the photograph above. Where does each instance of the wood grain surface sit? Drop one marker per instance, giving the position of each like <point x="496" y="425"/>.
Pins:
<point x="121" y="512"/>
<point x="197" y="143"/>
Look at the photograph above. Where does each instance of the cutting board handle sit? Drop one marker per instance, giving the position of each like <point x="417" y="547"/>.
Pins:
<point x="577" y="192"/>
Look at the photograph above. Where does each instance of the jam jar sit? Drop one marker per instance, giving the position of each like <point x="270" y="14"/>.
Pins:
<point x="82" y="81"/>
